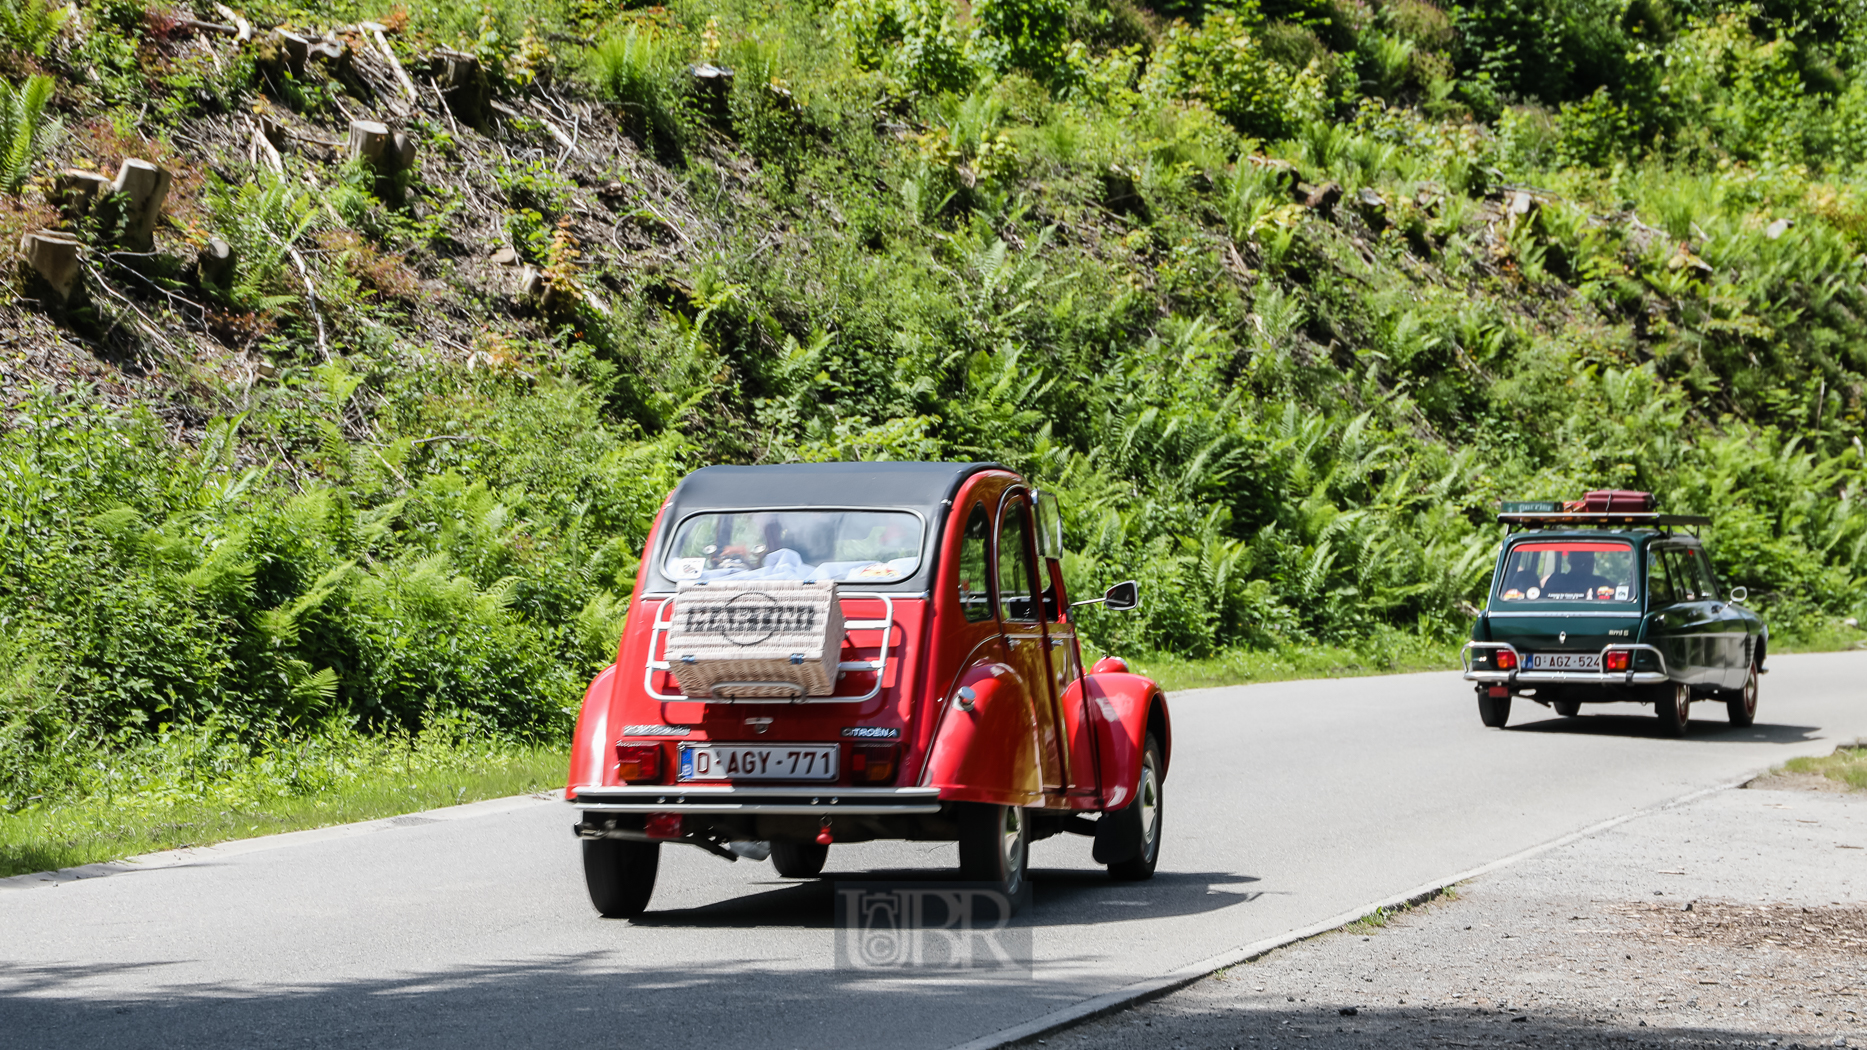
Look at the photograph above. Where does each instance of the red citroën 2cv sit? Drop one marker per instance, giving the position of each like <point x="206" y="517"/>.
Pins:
<point x="843" y="652"/>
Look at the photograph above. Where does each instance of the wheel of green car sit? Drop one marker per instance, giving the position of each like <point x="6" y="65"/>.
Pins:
<point x="1674" y="706"/>
<point x="1741" y="704"/>
<point x="1494" y="711"/>
<point x="799" y="860"/>
<point x="1567" y="708"/>
<point x="1148" y="807"/>
<point x="994" y="845"/>
<point x="620" y="875"/>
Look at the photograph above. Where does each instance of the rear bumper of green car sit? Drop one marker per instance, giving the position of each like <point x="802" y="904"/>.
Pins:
<point x="1519" y="675"/>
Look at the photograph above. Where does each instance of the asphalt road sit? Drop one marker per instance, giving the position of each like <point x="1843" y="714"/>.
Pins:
<point x="1287" y="803"/>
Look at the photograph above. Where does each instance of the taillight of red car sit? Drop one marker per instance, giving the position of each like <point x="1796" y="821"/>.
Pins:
<point x="1506" y="660"/>
<point x="638" y="763"/>
<point x="873" y="763"/>
<point x="1617" y="659"/>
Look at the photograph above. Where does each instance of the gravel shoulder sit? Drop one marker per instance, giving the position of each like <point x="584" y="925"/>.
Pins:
<point x="1737" y="919"/>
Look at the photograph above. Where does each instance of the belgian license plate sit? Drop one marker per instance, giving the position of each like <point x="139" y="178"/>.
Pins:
<point x="724" y="762"/>
<point x="1564" y="661"/>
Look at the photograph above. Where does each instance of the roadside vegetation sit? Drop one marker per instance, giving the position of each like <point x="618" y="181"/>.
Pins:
<point x="1281" y="298"/>
<point x="195" y="787"/>
<point x="1847" y="765"/>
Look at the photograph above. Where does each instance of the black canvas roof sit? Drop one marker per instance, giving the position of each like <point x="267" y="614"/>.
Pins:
<point x="920" y="487"/>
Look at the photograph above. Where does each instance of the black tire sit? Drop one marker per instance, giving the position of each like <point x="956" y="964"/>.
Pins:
<point x="1674" y="706"/>
<point x="1494" y="712"/>
<point x="994" y="845"/>
<point x="1150" y="807"/>
<point x="620" y="875"/>
<point x="1567" y="708"/>
<point x="799" y="860"/>
<point x="1741" y="704"/>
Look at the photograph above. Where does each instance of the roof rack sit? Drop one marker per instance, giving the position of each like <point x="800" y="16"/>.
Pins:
<point x="1600" y="518"/>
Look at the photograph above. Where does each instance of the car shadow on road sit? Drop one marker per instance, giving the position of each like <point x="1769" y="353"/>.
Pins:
<point x="1060" y="897"/>
<point x="1711" y="730"/>
<point x="567" y="999"/>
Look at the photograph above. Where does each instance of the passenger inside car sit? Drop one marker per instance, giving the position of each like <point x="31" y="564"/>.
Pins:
<point x="1578" y="578"/>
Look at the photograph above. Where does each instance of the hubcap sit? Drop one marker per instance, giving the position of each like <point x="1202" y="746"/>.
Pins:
<point x="1750" y="693"/>
<point x="1150" y="808"/>
<point x="1009" y="839"/>
<point x="1682" y="699"/>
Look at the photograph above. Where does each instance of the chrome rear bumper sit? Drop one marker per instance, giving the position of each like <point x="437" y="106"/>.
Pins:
<point x="778" y="801"/>
<point x="1518" y="676"/>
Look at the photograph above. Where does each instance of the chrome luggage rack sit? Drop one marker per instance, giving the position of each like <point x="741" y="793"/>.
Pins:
<point x="663" y="623"/>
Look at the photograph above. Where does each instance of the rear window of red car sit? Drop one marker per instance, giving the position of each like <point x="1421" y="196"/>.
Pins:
<point x="1568" y="571"/>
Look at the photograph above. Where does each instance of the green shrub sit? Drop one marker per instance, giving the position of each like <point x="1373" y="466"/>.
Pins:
<point x="25" y="131"/>
<point x="1030" y="35"/>
<point x="1220" y="63"/>
<point x="31" y="25"/>
<point x="635" y="69"/>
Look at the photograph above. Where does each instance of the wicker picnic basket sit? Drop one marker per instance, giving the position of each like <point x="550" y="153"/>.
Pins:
<point x="780" y="639"/>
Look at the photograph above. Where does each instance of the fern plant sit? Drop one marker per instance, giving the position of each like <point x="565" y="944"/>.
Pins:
<point x="30" y="25"/>
<point x="25" y="131"/>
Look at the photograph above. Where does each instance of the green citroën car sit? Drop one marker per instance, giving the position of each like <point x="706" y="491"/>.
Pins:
<point x="1603" y="600"/>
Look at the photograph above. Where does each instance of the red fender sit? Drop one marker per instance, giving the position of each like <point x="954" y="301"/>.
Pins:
<point x="988" y="754"/>
<point x="589" y="747"/>
<point x="1120" y="707"/>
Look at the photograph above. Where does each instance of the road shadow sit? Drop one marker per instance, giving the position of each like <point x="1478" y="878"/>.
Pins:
<point x="597" y="999"/>
<point x="1060" y="897"/>
<point x="1711" y="730"/>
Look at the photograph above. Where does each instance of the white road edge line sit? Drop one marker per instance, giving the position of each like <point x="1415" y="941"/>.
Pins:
<point x="174" y="858"/>
<point x="1174" y="980"/>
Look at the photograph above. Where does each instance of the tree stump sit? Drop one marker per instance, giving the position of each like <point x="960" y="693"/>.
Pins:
<point x="294" y="50"/>
<point x="369" y="142"/>
<point x="713" y="87"/>
<point x="54" y="259"/>
<point x="76" y="192"/>
<point x="144" y="187"/>
<point x="463" y="85"/>
<point x="402" y="150"/>
<point x="215" y="264"/>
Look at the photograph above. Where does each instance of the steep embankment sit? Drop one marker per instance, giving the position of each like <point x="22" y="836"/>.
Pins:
<point x="372" y="426"/>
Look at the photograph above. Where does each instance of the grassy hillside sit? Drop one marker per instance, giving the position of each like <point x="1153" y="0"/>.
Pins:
<point x="1280" y="297"/>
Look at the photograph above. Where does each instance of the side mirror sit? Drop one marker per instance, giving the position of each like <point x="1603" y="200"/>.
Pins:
<point x="1738" y="594"/>
<point x="1123" y="597"/>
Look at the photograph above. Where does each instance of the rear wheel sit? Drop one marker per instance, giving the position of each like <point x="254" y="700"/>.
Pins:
<point x="620" y="875"/>
<point x="1674" y="708"/>
<point x="1148" y="807"/>
<point x="994" y="845"/>
<point x="799" y="860"/>
<point x="1494" y="711"/>
<point x="1741" y="704"/>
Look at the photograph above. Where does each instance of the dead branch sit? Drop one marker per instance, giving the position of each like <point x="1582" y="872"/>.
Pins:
<point x="311" y="295"/>
<point x="375" y="30"/>
<point x="243" y="30"/>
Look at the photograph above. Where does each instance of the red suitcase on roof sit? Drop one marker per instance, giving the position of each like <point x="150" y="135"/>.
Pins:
<point x="1617" y="500"/>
